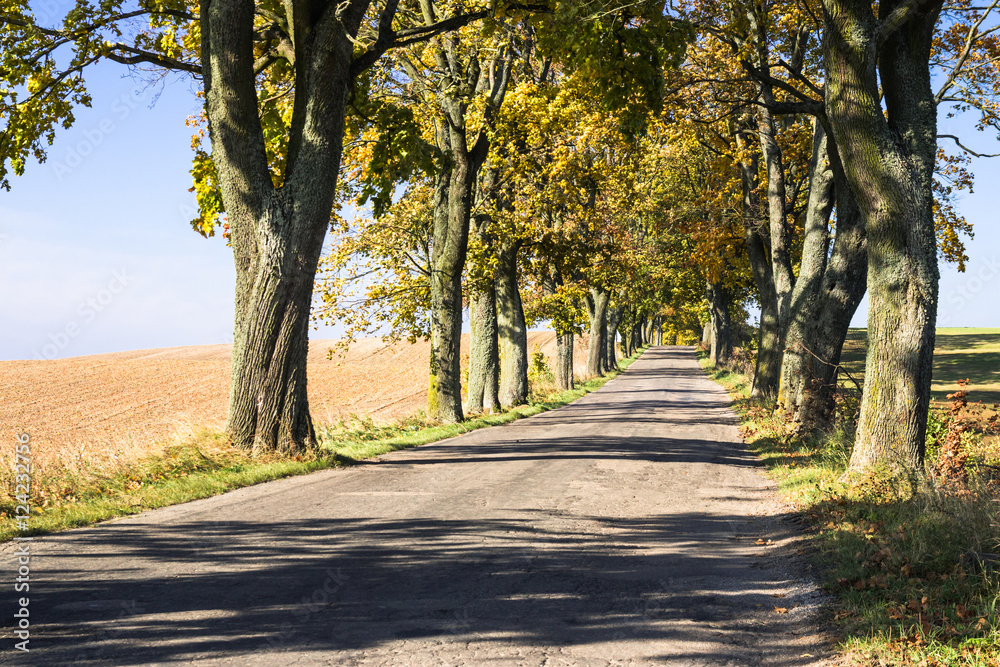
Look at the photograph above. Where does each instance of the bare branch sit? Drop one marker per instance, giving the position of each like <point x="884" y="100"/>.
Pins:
<point x="966" y="148"/>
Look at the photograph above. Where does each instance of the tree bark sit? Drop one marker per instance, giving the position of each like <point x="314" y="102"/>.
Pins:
<point x="513" y="334"/>
<point x="564" y="339"/>
<point x="276" y="232"/>
<point x="458" y="170"/>
<point x="452" y="207"/>
<point x="597" y="305"/>
<point x="889" y="162"/>
<point x="647" y="331"/>
<point x="778" y="233"/>
<point x="826" y="295"/>
<point x="484" y="355"/>
<point x="564" y="361"/>
<point x="768" y="368"/>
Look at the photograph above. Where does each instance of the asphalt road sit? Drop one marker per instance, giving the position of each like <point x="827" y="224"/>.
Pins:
<point x="620" y="530"/>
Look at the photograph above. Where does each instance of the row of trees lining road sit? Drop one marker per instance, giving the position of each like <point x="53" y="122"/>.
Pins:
<point x="772" y="76"/>
<point x="632" y="169"/>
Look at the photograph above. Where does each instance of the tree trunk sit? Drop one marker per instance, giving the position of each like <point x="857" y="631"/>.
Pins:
<point x="452" y="207"/>
<point x="484" y="356"/>
<point x="462" y="156"/>
<point x="597" y="305"/>
<point x="807" y="295"/>
<point x="826" y="295"/>
<point x="647" y="331"/>
<point x="564" y="361"/>
<point x="276" y="232"/>
<point x="889" y="162"/>
<point x="512" y="332"/>
<point x="768" y="368"/>
<point x="564" y="339"/>
<point x="719" y="301"/>
<point x="614" y="319"/>
<point x="780" y="253"/>
<point x="706" y="335"/>
<point x="268" y="403"/>
<point x="659" y="331"/>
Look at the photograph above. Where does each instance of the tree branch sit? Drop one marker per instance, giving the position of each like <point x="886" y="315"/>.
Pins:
<point x="966" y="148"/>
<point x="971" y="38"/>
<point x="139" y="56"/>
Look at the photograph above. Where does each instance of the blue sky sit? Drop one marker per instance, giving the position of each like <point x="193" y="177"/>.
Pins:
<point x="96" y="253"/>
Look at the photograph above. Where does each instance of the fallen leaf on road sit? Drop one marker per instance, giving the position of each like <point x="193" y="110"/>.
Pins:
<point x="780" y="610"/>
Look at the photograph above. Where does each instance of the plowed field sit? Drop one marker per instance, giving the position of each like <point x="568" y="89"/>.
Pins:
<point x="125" y="404"/>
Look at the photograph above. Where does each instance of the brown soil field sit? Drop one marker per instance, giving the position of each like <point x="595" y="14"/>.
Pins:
<point x="123" y="405"/>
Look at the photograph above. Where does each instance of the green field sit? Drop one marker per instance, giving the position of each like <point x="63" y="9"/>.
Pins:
<point x="959" y="353"/>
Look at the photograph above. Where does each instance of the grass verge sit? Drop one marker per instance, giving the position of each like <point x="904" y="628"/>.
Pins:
<point x="907" y="559"/>
<point x="205" y="465"/>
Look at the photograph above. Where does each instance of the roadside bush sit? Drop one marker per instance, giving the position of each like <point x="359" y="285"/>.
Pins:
<point x="541" y="378"/>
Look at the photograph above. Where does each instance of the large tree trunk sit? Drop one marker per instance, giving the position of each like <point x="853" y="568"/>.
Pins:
<point x="706" y="335"/>
<point x="614" y="319"/>
<point x="276" y="232"/>
<point x="719" y="301"/>
<point x="484" y="355"/>
<point x="597" y="305"/>
<point x="268" y="404"/>
<point x="889" y="162"/>
<point x="564" y="361"/>
<point x="659" y="330"/>
<point x="511" y="329"/>
<point x="826" y="293"/>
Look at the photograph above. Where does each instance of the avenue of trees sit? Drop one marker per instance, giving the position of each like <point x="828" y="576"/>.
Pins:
<point x="641" y="170"/>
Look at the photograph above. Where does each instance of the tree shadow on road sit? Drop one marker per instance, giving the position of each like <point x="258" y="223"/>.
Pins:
<point x="352" y="584"/>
